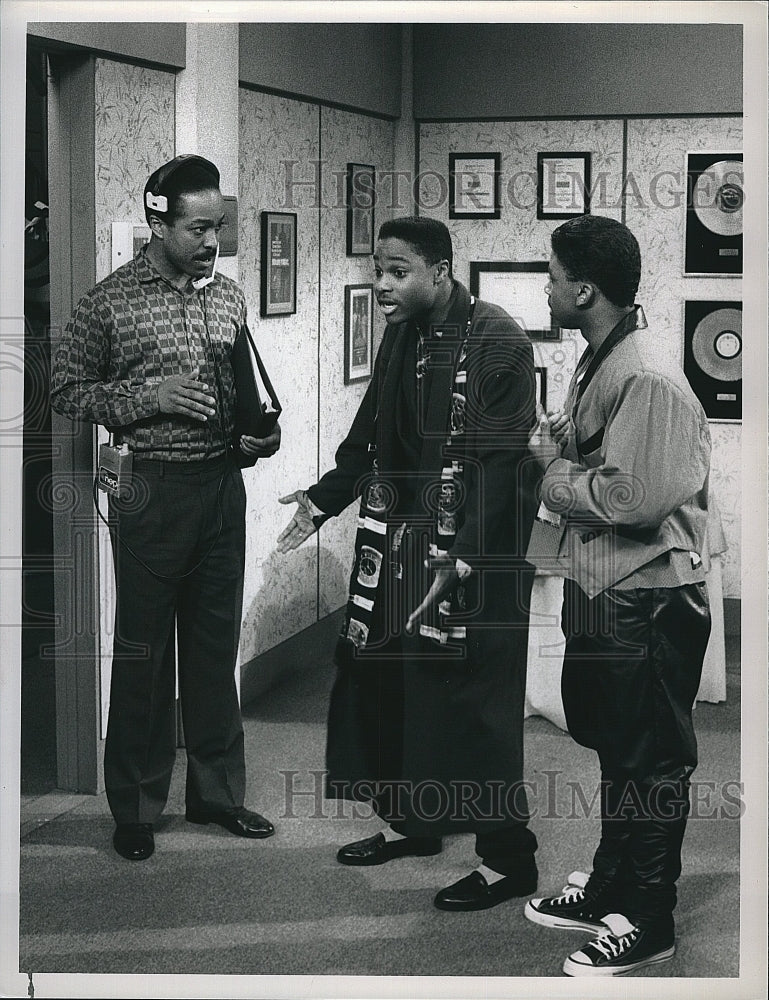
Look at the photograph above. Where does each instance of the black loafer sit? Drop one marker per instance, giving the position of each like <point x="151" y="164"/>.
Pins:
<point x="377" y="851"/>
<point x="134" y="841"/>
<point x="474" y="893"/>
<point x="240" y="821"/>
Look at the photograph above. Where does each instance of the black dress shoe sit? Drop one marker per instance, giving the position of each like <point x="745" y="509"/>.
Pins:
<point x="474" y="893"/>
<point x="134" y="841"/>
<point x="240" y="821"/>
<point x="376" y="850"/>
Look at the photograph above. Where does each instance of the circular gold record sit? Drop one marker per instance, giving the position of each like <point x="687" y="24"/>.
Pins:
<point x="717" y="344"/>
<point x="718" y="196"/>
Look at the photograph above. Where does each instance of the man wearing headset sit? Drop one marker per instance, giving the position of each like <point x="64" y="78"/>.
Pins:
<point x="146" y="354"/>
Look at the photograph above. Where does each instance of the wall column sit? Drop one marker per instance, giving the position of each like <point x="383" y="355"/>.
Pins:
<point x="207" y="106"/>
<point x="404" y="141"/>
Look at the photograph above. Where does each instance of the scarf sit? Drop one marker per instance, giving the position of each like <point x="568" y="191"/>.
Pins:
<point x="376" y="548"/>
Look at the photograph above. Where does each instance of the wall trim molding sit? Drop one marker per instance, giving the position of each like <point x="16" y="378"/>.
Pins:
<point x="318" y="102"/>
<point x="577" y="118"/>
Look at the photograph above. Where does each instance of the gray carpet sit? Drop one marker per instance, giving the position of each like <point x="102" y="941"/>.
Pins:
<point x="207" y="902"/>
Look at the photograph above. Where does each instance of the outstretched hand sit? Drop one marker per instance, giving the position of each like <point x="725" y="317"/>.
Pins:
<point x="301" y="525"/>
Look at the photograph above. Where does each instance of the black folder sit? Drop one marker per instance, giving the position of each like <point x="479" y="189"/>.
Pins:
<point x="256" y="406"/>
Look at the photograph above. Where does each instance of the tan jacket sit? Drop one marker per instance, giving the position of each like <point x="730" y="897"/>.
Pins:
<point x="635" y="483"/>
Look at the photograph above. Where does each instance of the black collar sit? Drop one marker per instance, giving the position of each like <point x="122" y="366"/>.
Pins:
<point x="635" y="320"/>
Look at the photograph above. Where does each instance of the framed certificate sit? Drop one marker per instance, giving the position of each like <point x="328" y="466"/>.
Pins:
<point x="563" y="185"/>
<point x="474" y="185"/>
<point x="519" y="288"/>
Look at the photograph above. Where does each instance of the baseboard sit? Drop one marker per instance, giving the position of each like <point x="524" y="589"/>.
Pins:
<point x="289" y="657"/>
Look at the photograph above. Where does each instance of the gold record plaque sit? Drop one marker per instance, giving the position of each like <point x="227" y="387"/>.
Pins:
<point x="715" y="197"/>
<point x="713" y="356"/>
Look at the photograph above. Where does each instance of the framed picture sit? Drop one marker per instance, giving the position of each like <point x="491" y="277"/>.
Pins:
<point x="540" y="376"/>
<point x="714" y="199"/>
<point x="713" y="355"/>
<point x="358" y="332"/>
<point x="519" y="288"/>
<point x="474" y="185"/>
<point x="278" y="284"/>
<point x="361" y="198"/>
<point x="563" y="185"/>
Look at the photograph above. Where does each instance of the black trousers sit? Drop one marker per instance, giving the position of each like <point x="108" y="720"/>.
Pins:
<point x="631" y="671"/>
<point x="183" y="518"/>
<point x="367" y="704"/>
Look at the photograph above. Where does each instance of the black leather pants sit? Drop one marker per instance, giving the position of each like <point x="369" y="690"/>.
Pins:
<point x="631" y="672"/>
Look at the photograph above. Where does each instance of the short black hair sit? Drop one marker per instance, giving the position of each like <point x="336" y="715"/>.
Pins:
<point x="429" y="237"/>
<point x="602" y="251"/>
<point x="185" y="174"/>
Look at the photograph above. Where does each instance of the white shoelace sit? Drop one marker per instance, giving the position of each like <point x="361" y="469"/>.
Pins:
<point x="611" y="946"/>
<point x="570" y="894"/>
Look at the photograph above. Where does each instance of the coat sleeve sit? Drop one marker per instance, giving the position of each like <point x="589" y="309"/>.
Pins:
<point x="341" y="485"/>
<point x="656" y="454"/>
<point x="500" y="478"/>
<point x="80" y="387"/>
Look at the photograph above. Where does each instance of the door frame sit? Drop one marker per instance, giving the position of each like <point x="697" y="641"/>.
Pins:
<point x="72" y="220"/>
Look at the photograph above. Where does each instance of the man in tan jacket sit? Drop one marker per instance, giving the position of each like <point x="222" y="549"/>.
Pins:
<point x="626" y="486"/>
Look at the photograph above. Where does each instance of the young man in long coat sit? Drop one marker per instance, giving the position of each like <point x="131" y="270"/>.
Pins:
<point x="426" y="714"/>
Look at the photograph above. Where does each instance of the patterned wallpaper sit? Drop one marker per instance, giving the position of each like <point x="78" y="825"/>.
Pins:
<point x="281" y="142"/>
<point x="654" y="146"/>
<point x="280" y="594"/>
<point x="134" y="135"/>
<point x="345" y="137"/>
<point x="657" y="151"/>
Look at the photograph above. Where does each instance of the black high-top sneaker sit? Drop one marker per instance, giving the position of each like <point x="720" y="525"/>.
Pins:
<point x="573" y="909"/>
<point x="622" y="948"/>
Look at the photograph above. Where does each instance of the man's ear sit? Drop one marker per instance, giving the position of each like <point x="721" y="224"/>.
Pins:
<point x="585" y="294"/>
<point x="156" y="226"/>
<point x="442" y="272"/>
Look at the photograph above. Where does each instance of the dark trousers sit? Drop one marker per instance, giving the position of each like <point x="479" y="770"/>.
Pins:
<point x="367" y="704"/>
<point x="631" y="671"/>
<point x="182" y="518"/>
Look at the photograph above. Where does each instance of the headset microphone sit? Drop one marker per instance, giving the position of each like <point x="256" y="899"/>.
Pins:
<point x="199" y="283"/>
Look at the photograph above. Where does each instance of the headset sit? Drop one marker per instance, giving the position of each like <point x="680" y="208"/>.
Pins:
<point x="154" y="199"/>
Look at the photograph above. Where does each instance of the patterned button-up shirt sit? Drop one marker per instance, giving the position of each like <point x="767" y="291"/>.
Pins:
<point x="131" y="332"/>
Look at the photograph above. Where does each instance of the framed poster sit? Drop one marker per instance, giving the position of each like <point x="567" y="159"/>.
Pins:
<point x="358" y="332"/>
<point x="563" y="185"/>
<point x="519" y="288"/>
<point x="361" y="198"/>
<point x="278" y="277"/>
<point x="474" y="185"/>
<point x="714" y="198"/>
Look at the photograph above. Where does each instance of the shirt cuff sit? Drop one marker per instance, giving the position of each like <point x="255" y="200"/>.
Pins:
<point x="463" y="570"/>
<point x="314" y="508"/>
